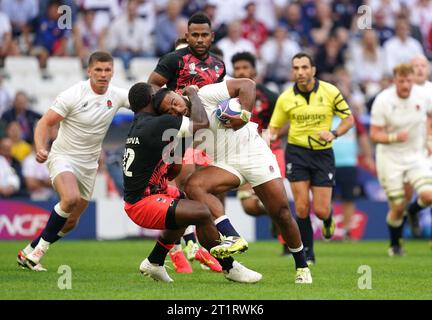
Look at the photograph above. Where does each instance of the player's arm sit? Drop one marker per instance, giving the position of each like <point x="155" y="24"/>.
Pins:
<point x="379" y="134"/>
<point x="198" y="118"/>
<point x="157" y="80"/>
<point x="245" y="90"/>
<point x="343" y="127"/>
<point x="48" y="121"/>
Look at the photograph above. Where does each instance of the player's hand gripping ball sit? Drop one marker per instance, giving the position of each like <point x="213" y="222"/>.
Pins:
<point x="229" y="107"/>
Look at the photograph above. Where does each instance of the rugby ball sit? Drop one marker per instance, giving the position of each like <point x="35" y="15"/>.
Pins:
<point x="230" y="106"/>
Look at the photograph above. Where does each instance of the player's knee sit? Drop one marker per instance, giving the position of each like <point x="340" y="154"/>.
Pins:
<point x="69" y="202"/>
<point x="302" y="210"/>
<point x="251" y="208"/>
<point x="193" y="187"/>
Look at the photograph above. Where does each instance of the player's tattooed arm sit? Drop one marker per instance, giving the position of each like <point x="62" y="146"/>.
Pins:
<point x="198" y="114"/>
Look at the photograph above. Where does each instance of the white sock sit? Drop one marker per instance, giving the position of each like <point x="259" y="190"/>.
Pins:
<point x="27" y="250"/>
<point x="176" y="247"/>
<point x="43" y="245"/>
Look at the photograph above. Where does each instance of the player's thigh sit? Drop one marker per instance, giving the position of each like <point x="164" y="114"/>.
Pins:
<point x="186" y="171"/>
<point x="391" y="178"/>
<point x="66" y="184"/>
<point x="273" y="196"/>
<point x="420" y="177"/>
<point x="190" y="212"/>
<point x="213" y="179"/>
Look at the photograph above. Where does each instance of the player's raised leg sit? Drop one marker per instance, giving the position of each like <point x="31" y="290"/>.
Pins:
<point x="201" y="188"/>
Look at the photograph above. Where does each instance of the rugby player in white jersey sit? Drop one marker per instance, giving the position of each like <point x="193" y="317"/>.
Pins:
<point x="421" y="68"/>
<point x="239" y="155"/>
<point x="400" y="122"/>
<point x="84" y="112"/>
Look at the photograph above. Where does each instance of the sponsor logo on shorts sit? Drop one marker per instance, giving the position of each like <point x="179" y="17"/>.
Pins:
<point x="163" y="200"/>
<point x="289" y="168"/>
<point x="330" y="175"/>
<point x="271" y="168"/>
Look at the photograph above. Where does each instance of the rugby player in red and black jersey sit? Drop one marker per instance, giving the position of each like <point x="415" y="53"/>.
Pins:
<point x="196" y="65"/>
<point x="244" y="66"/>
<point x="150" y="158"/>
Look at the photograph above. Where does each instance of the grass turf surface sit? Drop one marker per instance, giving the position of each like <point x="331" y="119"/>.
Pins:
<point x="109" y="270"/>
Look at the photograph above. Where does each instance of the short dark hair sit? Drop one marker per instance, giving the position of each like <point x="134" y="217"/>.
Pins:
<point x="246" y="56"/>
<point x="140" y="96"/>
<point x="100" y="56"/>
<point x="158" y="98"/>
<point x="304" y="55"/>
<point x="199" y="18"/>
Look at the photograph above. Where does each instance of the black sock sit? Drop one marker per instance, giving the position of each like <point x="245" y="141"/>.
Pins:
<point x="225" y="228"/>
<point x="54" y="225"/>
<point x="306" y="232"/>
<point x="226" y="263"/>
<point x="328" y="221"/>
<point x="299" y="258"/>
<point x="177" y="242"/>
<point x="395" y="234"/>
<point x="159" y="252"/>
<point x="190" y="237"/>
<point x="414" y="208"/>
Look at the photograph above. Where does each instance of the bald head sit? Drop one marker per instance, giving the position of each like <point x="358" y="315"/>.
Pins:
<point x="421" y="68"/>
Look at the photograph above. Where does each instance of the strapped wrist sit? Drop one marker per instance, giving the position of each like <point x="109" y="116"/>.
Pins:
<point x="245" y="115"/>
<point x="334" y="132"/>
<point x="392" y="137"/>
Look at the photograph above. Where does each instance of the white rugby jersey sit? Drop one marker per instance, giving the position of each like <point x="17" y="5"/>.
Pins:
<point x="228" y="143"/>
<point x="396" y="115"/>
<point x="87" y="117"/>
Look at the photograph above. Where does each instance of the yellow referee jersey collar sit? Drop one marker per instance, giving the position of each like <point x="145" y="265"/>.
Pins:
<point x="315" y="88"/>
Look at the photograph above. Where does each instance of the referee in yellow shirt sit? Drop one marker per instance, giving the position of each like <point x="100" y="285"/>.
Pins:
<point x="309" y="107"/>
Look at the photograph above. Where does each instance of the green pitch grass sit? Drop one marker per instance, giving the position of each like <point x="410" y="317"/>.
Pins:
<point x="109" y="270"/>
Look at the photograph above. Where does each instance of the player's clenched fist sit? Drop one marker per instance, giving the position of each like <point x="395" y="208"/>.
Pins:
<point x="41" y="155"/>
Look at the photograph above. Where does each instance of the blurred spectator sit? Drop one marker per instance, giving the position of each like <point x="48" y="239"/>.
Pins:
<point x="9" y="180"/>
<point x="21" y="14"/>
<point x="50" y="40"/>
<point x="276" y="55"/>
<point x="367" y="64"/>
<point x="422" y="68"/>
<point x="147" y="13"/>
<point x="402" y="47"/>
<point x="193" y="6"/>
<point x="234" y="43"/>
<point x="322" y="24"/>
<point x="228" y="11"/>
<point x="87" y="38"/>
<point x="298" y="27"/>
<point x="344" y="12"/>
<point x="129" y="37"/>
<point x="5" y="38"/>
<point x="328" y="57"/>
<point x="421" y="17"/>
<point x="106" y="11"/>
<point x="114" y="164"/>
<point x="20" y="148"/>
<point x="5" y="96"/>
<point x="388" y="9"/>
<point x="37" y="179"/>
<point x="219" y="29"/>
<point x="21" y="113"/>
<point x="383" y="31"/>
<point x="268" y="11"/>
<point x="5" y="152"/>
<point x="166" y="27"/>
<point x="253" y="29"/>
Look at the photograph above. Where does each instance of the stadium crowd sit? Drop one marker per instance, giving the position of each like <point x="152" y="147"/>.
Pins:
<point x="359" y="61"/>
